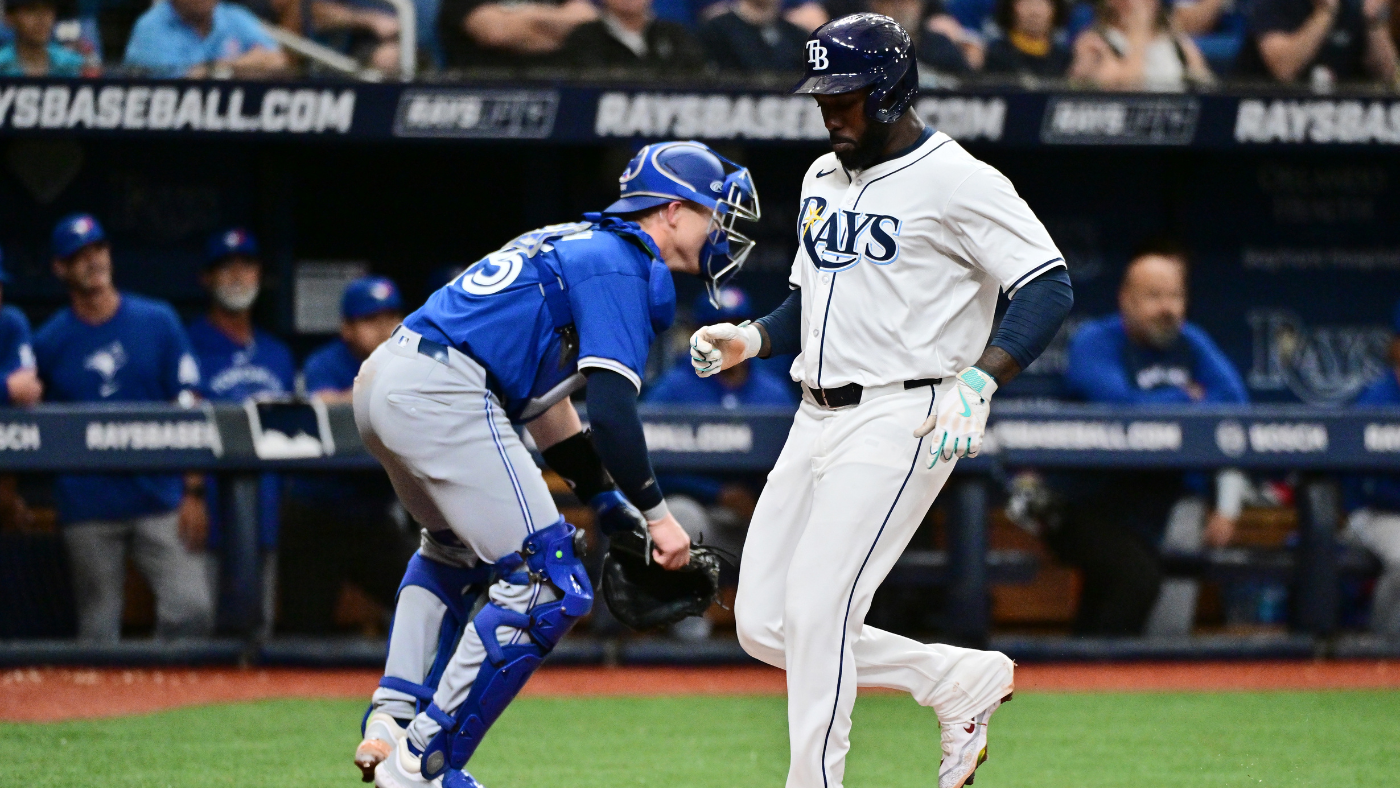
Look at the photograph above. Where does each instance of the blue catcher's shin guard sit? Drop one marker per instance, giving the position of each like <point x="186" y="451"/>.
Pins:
<point x="452" y="585"/>
<point x="547" y="555"/>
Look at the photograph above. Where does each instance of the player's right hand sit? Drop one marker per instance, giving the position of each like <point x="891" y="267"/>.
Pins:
<point x="721" y="346"/>
<point x="670" y="544"/>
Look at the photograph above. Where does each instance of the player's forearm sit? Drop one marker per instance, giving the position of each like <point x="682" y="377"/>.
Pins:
<point x="620" y="441"/>
<point x="1030" y="323"/>
<point x="781" y="329"/>
<point x="555" y="425"/>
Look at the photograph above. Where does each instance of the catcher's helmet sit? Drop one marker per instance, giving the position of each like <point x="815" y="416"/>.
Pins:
<point x="860" y="51"/>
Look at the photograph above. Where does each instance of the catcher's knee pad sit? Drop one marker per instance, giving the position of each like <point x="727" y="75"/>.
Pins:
<point x="458" y="588"/>
<point x="548" y="555"/>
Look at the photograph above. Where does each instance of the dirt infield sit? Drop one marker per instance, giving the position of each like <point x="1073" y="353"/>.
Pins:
<point x="46" y="694"/>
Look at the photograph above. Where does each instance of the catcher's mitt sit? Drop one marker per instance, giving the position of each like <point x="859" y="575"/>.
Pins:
<point x="643" y="595"/>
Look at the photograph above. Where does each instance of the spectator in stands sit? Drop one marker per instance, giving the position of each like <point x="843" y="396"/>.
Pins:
<point x="719" y="506"/>
<point x="751" y="37"/>
<point x="203" y="38"/>
<point x="1373" y="503"/>
<point x="1196" y="17"/>
<point x="500" y="33"/>
<point x="110" y="346"/>
<point x="1029" y="46"/>
<point x="33" y="52"/>
<point x="1145" y="355"/>
<point x="239" y="361"/>
<point x="1321" y="41"/>
<point x="940" y="43"/>
<point x="627" y="35"/>
<point x="1132" y="45"/>
<point x="22" y="385"/>
<point x="364" y="29"/>
<point x="338" y="528"/>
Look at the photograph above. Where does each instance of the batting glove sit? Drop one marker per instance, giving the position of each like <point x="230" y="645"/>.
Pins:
<point x="614" y="513"/>
<point x="960" y="418"/>
<point x="721" y="346"/>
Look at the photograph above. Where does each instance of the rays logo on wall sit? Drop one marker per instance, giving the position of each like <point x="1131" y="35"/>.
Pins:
<point x="1321" y="365"/>
<point x="837" y="240"/>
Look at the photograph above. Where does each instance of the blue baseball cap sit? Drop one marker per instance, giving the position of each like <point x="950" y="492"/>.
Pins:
<point x="730" y="305"/>
<point x="369" y="295"/>
<point x="227" y="243"/>
<point x="75" y="231"/>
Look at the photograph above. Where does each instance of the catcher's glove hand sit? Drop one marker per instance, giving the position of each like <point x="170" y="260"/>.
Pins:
<point x="643" y="595"/>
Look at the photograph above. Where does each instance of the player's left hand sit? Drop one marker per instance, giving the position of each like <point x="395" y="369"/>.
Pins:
<point x="959" y="420"/>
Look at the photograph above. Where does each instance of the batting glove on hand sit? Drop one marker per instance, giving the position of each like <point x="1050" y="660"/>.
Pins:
<point x="721" y="346"/>
<point x="960" y="418"/>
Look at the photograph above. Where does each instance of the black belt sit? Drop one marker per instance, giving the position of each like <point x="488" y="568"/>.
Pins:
<point x="433" y="350"/>
<point x="849" y="394"/>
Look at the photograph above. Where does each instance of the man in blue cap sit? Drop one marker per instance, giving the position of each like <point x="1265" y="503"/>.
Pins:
<point x="110" y="346"/>
<point x="339" y="527"/>
<point x="22" y="385"/>
<point x="237" y="360"/>
<point x="1373" y="502"/>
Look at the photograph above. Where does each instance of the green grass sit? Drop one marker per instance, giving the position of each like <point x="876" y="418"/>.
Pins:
<point x="1333" y="739"/>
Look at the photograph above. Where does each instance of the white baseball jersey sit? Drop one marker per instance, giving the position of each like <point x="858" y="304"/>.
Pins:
<point x="900" y="264"/>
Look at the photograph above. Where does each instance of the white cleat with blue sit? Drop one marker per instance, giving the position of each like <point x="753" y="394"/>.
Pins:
<point x="402" y="769"/>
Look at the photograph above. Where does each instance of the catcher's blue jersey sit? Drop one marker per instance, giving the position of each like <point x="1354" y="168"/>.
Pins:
<point x="511" y="310"/>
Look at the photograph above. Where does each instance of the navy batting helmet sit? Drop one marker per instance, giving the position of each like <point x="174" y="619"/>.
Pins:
<point x="863" y="51"/>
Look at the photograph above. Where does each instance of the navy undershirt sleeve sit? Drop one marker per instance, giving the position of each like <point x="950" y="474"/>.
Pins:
<point x="784" y="327"/>
<point x="1034" y="315"/>
<point x="618" y="436"/>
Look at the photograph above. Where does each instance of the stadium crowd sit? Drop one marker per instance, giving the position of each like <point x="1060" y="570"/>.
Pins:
<point x="1156" y="45"/>
<point x="330" y="530"/>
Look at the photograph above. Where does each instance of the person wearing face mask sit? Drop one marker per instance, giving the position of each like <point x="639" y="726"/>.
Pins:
<point x="1115" y="523"/>
<point x="240" y="361"/>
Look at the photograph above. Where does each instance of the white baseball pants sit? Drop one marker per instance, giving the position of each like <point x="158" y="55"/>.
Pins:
<point x="456" y="463"/>
<point x="848" y="491"/>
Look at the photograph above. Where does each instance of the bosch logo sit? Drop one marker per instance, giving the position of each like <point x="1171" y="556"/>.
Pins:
<point x="816" y="56"/>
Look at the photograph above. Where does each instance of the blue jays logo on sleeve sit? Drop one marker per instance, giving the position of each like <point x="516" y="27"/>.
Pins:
<point x="106" y="362"/>
<point x="837" y="240"/>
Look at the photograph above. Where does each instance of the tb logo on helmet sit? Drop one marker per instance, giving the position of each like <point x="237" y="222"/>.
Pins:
<point x="816" y="56"/>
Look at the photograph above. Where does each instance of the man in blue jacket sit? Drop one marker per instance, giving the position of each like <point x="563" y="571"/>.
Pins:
<point x="110" y="346"/>
<point x="1145" y="355"/>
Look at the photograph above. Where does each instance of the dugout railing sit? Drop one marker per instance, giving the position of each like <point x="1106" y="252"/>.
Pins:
<point x="239" y="442"/>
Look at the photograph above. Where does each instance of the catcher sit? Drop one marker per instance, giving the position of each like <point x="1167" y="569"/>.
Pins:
<point x="505" y="344"/>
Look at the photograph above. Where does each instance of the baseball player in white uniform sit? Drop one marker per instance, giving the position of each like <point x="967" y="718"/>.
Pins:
<point x="905" y="242"/>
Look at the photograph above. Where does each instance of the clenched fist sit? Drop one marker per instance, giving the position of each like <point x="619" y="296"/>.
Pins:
<point x="721" y="346"/>
<point x="959" y="420"/>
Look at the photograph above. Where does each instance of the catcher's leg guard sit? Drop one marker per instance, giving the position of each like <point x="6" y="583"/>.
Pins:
<point x="549" y="556"/>
<point x="457" y="588"/>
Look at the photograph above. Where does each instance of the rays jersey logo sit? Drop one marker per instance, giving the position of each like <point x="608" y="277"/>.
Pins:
<point x="837" y="240"/>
